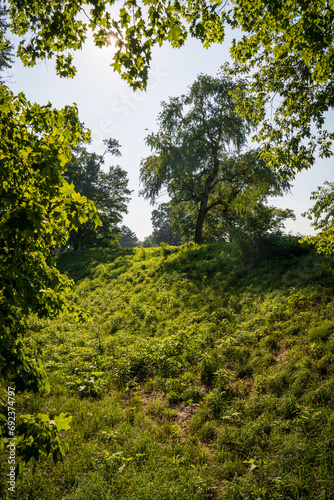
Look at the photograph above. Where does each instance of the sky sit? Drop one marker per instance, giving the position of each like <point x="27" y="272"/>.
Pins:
<point x="109" y="108"/>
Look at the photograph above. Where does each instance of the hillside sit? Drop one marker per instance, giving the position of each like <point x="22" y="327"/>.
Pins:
<point x="200" y="375"/>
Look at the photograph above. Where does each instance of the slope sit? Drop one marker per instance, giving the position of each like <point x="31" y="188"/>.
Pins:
<point x="200" y="374"/>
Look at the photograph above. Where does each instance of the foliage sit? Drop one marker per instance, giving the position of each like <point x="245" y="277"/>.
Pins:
<point x="286" y="48"/>
<point x="246" y="227"/>
<point x="38" y="209"/>
<point x="258" y="227"/>
<point x="263" y="219"/>
<point x="128" y="238"/>
<point x="148" y="242"/>
<point x="39" y="435"/>
<point x="108" y="190"/>
<point x="198" y="159"/>
<point x="322" y="215"/>
<point x="6" y="47"/>
<point x="60" y="27"/>
<point x="162" y="230"/>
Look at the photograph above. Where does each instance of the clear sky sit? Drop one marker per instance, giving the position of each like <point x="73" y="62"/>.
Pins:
<point x="109" y="108"/>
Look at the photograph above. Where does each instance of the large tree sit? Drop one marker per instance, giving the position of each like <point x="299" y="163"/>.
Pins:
<point x="197" y="153"/>
<point x="108" y="190"/>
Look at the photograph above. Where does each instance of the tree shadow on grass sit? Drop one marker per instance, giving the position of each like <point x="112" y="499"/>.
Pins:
<point x="82" y="263"/>
<point x="222" y="265"/>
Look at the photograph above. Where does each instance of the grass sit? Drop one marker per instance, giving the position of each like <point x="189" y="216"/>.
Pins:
<point x="200" y="375"/>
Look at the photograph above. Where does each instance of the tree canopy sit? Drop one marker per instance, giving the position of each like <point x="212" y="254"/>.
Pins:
<point x="198" y="156"/>
<point x="59" y="27"/>
<point x="287" y="47"/>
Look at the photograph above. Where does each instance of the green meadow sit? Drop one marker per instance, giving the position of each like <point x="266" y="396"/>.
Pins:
<point x="199" y="374"/>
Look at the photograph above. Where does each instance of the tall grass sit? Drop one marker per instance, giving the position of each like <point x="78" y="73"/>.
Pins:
<point x="200" y="375"/>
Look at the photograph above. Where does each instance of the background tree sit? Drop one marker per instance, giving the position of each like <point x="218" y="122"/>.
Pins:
<point x="261" y="220"/>
<point x="260" y="232"/>
<point x="162" y="230"/>
<point x="148" y="242"/>
<point x="128" y="238"/>
<point x="6" y="47"/>
<point x="198" y="155"/>
<point x="322" y="215"/>
<point x="108" y="190"/>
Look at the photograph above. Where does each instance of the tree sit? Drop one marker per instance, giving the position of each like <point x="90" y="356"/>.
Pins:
<point x="108" y="190"/>
<point x="128" y="238"/>
<point x="198" y="155"/>
<point x="261" y="220"/>
<point x="148" y="242"/>
<point x="260" y="235"/>
<point x="322" y="215"/>
<point x="162" y="230"/>
<point x="38" y="209"/>
<point x="6" y="47"/>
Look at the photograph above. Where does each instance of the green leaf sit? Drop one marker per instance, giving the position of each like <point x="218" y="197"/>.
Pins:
<point x="62" y="421"/>
<point x="43" y="417"/>
<point x="174" y="33"/>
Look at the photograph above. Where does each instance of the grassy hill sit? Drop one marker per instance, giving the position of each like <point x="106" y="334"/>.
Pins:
<point x="200" y="375"/>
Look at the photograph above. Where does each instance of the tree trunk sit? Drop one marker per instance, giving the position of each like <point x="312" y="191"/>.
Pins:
<point x="200" y="221"/>
<point x="204" y="200"/>
<point x="75" y="239"/>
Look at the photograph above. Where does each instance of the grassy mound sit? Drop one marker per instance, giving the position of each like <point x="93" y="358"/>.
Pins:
<point x="200" y="375"/>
